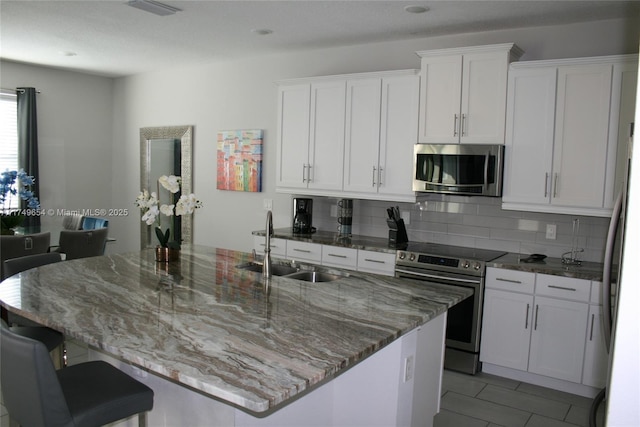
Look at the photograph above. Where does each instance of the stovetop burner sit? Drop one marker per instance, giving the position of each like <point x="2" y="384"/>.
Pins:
<point x="471" y="254"/>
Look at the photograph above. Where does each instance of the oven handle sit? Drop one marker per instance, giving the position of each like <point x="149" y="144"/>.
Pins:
<point x="414" y="274"/>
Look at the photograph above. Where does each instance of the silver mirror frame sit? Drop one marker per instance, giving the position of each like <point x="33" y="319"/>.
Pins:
<point x="185" y="135"/>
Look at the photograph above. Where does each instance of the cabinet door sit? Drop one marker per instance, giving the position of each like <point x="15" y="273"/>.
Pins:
<point x="362" y="136"/>
<point x="581" y="135"/>
<point x="595" y="356"/>
<point x="337" y="256"/>
<point x="506" y="329"/>
<point x="558" y="338"/>
<point x="304" y="251"/>
<point x="529" y="136"/>
<point x="440" y="99"/>
<point x="326" y="145"/>
<point x="293" y="135"/>
<point x="398" y="135"/>
<point x="484" y="98"/>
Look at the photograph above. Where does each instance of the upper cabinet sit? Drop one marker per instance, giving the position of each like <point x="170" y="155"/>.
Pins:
<point x="310" y="135"/>
<point x="463" y="94"/>
<point x="348" y="135"/>
<point x="565" y="128"/>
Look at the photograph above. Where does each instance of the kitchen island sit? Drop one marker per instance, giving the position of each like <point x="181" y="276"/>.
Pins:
<point x="220" y="348"/>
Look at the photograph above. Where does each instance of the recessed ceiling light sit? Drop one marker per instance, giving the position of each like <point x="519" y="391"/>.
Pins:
<point x="262" y="31"/>
<point x="416" y="9"/>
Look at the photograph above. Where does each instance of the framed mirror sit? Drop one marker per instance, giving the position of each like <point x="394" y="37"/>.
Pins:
<point x="166" y="151"/>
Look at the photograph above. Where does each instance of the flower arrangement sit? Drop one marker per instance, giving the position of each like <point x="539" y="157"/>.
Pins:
<point x="149" y="204"/>
<point x="15" y="184"/>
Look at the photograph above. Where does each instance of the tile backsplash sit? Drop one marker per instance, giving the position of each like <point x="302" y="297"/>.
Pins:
<point x="474" y="222"/>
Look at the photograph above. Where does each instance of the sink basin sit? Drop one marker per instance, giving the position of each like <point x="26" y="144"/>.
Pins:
<point x="276" y="269"/>
<point x="313" y="276"/>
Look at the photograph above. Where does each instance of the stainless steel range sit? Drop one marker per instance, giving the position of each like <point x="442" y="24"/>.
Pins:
<point x="454" y="266"/>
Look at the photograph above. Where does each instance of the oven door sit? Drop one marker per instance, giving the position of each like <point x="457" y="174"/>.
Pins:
<point x="464" y="318"/>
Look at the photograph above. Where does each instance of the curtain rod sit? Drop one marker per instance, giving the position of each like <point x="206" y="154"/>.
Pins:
<point x="15" y="90"/>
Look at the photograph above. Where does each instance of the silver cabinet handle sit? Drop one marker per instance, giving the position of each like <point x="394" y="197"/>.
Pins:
<point x="379" y="176"/>
<point x="306" y="251"/>
<point x="308" y="172"/>
<point x="304" y="173"/>
<point x="526" y="318"/>
<point x="546" y="184"/>
<point x="337" y="255"/>
<point x="373" y="177"/>
<point x="455" y="125"/>
<point x="500" y="279"/>
<point x="562" y="288"/>
<point x="593" y="316"/>
<point x="555" y="184"/>
<point x="374" y="260"/>
<point x="462" y="132"/>
<point x="535" y="324"/>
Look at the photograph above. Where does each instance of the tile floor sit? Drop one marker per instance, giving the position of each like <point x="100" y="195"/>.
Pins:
<point x="485" y="400"/>
<point x="481" y="400"/>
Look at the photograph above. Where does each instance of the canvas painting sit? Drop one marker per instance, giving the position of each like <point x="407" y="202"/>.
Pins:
<point x="240" y="160"/>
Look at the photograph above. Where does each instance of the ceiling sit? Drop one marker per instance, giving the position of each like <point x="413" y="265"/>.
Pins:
<point x="109" y="38"/>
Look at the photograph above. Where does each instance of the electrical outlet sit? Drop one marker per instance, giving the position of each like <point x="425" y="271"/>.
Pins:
<point x="551" y="232"/>
<point x="267" y="204"/>
<point x="333" y="211"/>
<point x="406" y="217"/>
<point x="408" y="368"/>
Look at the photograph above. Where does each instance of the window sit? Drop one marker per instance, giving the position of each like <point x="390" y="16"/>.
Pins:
<point x="9" y="135"/>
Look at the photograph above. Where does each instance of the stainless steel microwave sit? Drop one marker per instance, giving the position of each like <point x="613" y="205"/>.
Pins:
<point x="464" y="169"/>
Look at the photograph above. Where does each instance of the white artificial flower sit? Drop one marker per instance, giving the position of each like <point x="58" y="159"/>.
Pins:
<point x="167" y="210"/>
<point x="171" y="183"/>
<point x="187" y="204"/>
<point x="150" y="216"/>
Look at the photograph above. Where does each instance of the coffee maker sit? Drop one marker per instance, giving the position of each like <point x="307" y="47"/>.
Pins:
<point x="302" y="216"/>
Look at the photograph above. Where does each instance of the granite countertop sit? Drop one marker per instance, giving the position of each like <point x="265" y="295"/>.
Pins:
<point x="553" y="266"/>
<point x="208" y="325"/>
<point x="376" y="244"/>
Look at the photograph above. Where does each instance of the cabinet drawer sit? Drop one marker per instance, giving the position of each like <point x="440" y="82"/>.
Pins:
<point x="278" y="246"/>
<point x="563" y="287"/>
<point x="304" y="251"/>
<point x="376" y="262"/>
<point x="510" y="280"/>
<point x="339" y="257"/>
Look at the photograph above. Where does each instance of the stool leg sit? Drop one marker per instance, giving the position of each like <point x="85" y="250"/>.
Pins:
<point x="142" y="419"/>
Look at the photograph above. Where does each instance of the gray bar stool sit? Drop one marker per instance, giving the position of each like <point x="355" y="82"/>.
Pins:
<point x="83" y="395"/>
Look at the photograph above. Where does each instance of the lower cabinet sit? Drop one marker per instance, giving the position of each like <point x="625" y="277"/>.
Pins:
<point x="543" y="325"/>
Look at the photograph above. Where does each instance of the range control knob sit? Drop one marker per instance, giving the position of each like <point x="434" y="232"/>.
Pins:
<point x="465" y="264"/>
<point x="412" y="257"/>
<point x="476" y="266"/>
<point x="402" y="255"/>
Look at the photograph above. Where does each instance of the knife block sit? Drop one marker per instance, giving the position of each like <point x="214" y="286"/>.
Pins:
<point x="397" y="234"/>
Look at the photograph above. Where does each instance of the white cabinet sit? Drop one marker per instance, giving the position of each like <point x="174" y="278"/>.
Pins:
<point x="562" y="134"/>
<point x="336" y="256"/>
<point x="304" y="251"/>
<point x="278" y="246"/>
<point x="558" y="338"/>
<point x="596" y="356"/>
<point x="376" y="262"/>
<point x="381" y="130"/>
<point x="348" y="135"/>
<point x="463" y="94"/>
<point x="310" y="135"/>
<point x="506" y="329"/>
<point x="540" y="324"/>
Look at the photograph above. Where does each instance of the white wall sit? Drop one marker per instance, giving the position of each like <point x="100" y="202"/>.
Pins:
<point x="89" y="126"/>
<point x="242" y="95"/>
<point x="75" y="135"/>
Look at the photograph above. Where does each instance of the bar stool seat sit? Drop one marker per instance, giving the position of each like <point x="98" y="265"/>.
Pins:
<point x="83" y="395"/>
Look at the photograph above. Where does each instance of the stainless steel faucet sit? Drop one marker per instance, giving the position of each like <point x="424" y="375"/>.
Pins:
<point x="266" y="265"/>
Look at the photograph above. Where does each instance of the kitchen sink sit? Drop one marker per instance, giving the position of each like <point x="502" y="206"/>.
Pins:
<point x="276" y="269"/>
<point x="313" y="276"/>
